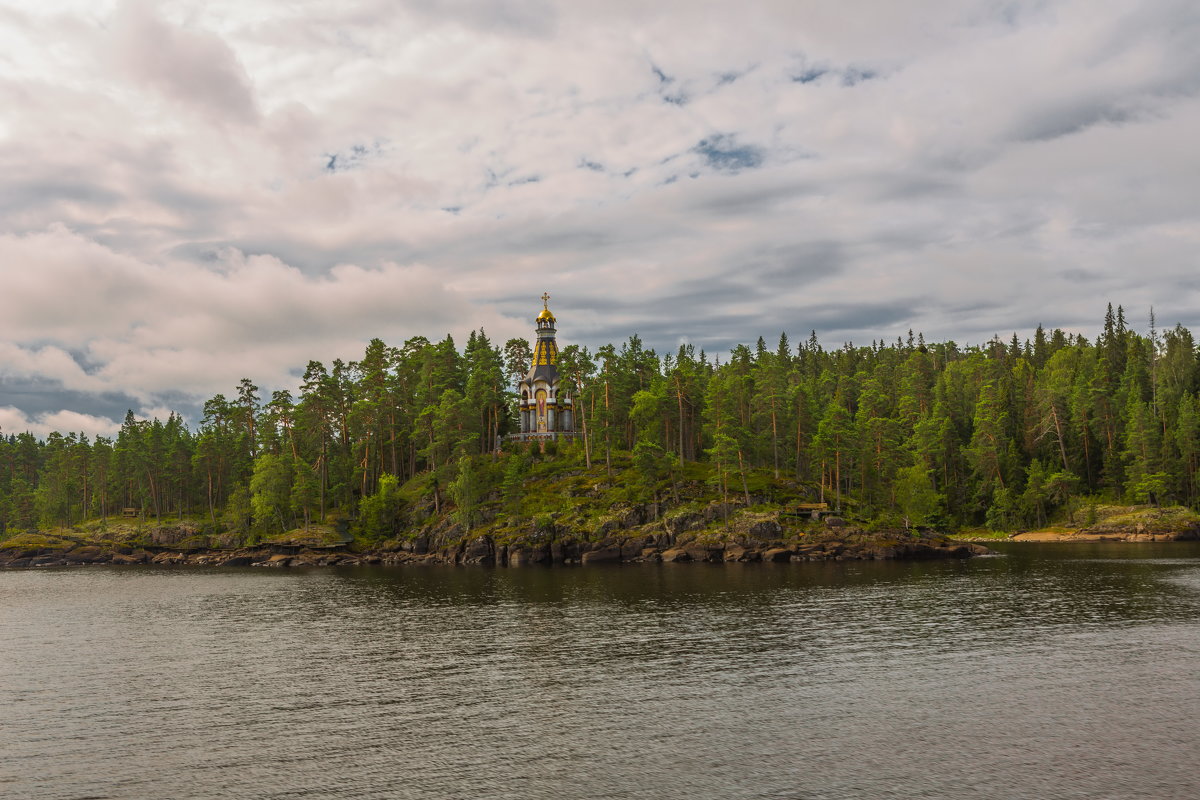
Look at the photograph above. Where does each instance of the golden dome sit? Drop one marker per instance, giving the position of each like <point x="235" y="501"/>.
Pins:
<point x="545" y="314"/>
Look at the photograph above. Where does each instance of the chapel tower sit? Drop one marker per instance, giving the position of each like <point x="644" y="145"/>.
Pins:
<point x="545" y="405"/>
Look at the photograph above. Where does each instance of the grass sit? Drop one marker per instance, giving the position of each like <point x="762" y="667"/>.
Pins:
<point x="314" y="536"/>
<point x="969" y="534"/>
<point x="1168" y="519"/>
<point x="1099" y="518"/>
<point x="35" y="541"/>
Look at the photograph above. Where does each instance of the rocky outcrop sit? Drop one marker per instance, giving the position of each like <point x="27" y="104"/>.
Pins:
<point x="753" y="539"/>
<point x="168" y="535"/>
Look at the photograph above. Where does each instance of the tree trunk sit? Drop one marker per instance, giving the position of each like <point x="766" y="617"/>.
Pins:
<point x="1062" y="449"/>
<point x="679" y="397"/>
<point x="775" y="438"/>
<point x="742" y="470"/>
<point x="587" y="443"/>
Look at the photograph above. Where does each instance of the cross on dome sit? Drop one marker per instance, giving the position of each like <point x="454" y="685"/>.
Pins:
<point x="547" y="316"/>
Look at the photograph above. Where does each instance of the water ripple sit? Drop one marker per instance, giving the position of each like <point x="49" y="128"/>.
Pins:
<point x="1050" y="672"/>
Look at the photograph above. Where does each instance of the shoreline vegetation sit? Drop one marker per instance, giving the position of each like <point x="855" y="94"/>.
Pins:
<point x="687" y="525"/>
<point x="843" y="545"/>
<point x="564" y="514"/>
<point x="403" y="456"/>
<point x="682" y="538"/>
<point x="1105" y="523"/>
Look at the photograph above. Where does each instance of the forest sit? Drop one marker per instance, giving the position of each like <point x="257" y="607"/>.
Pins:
<point x="1004" y="435"/>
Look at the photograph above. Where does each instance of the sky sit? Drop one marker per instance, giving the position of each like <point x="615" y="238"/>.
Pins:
<point x="196" y="192"/>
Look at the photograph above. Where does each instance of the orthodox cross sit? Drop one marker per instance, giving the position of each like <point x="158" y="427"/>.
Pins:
<point x="546" y="300"/>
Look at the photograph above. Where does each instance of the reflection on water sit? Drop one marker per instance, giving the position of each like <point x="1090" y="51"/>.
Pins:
<point x="1049" y="671"/>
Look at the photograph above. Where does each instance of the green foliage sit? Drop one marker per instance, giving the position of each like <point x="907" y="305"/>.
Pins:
<point x="1003" y="513"/>
<point x="305" y="494"/>
<point x="380" y="514"/>
<point x="1007" y="434"/>
<point x="918" y="499"/>
<point x="270" y="493"/>
<point x="467" y="490"/>
<point x="512" y="488"/>
<point x="1150" y="488"/>
<point x="239" y="511"/>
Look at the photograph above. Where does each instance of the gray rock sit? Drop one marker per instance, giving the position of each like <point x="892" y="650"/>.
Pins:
<point x="605" y="555"/>
<point x="480" y="550"/>
<point x="700" y="552"/>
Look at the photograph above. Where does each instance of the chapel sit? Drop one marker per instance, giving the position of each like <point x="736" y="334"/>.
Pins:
<point x="545" y="403"/>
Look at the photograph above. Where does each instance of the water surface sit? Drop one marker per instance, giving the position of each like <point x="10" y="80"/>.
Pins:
<point x="1051" y="671"/>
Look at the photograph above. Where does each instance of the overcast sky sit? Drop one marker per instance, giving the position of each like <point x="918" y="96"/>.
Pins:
<point x="194" y="192"/>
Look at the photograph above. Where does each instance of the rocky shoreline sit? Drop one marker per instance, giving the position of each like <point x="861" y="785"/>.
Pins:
<point x="486" y="551"/>
<point x="1104" y="536"/>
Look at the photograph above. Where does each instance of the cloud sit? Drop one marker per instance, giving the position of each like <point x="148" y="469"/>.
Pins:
<point x="200" y="192"/>
<point x="14" y="421"/>
<point x="90" y="320"/>
<point x="189" y="66"/>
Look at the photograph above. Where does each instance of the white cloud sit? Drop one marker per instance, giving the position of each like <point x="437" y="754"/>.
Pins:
<point x="171" y="222"/>
<point x="153" y="329"/>
<point x="192" y="68"/>
<point x="15" y="421"/>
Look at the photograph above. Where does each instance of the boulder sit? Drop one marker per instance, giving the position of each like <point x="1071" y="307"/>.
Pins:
<point x="480" y="550"/>
<point x="604" y="555"/>
<point x="607" y="526"/>
<point x="532" y="554"/>
<point x="564" y="550"/>
<point x="632" y="547"/>
<point x="86" y="554"/>
<point x="633" y="516"/>
<point x="777" y="554"/>
<point x="22" y="552"/>
<point x="765" y="529"/>
<point x="737" y="552"/>
<point x="684" y="522"/>
<point x="705" y="552"/>
<point x="926" y="551"/>
<point x="166" y="535"/>
<point x="662" y="540"/>
<point x="676" y="554"/>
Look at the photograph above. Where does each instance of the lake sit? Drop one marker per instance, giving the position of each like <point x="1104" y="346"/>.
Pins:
<point x="1048" y="671"/>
